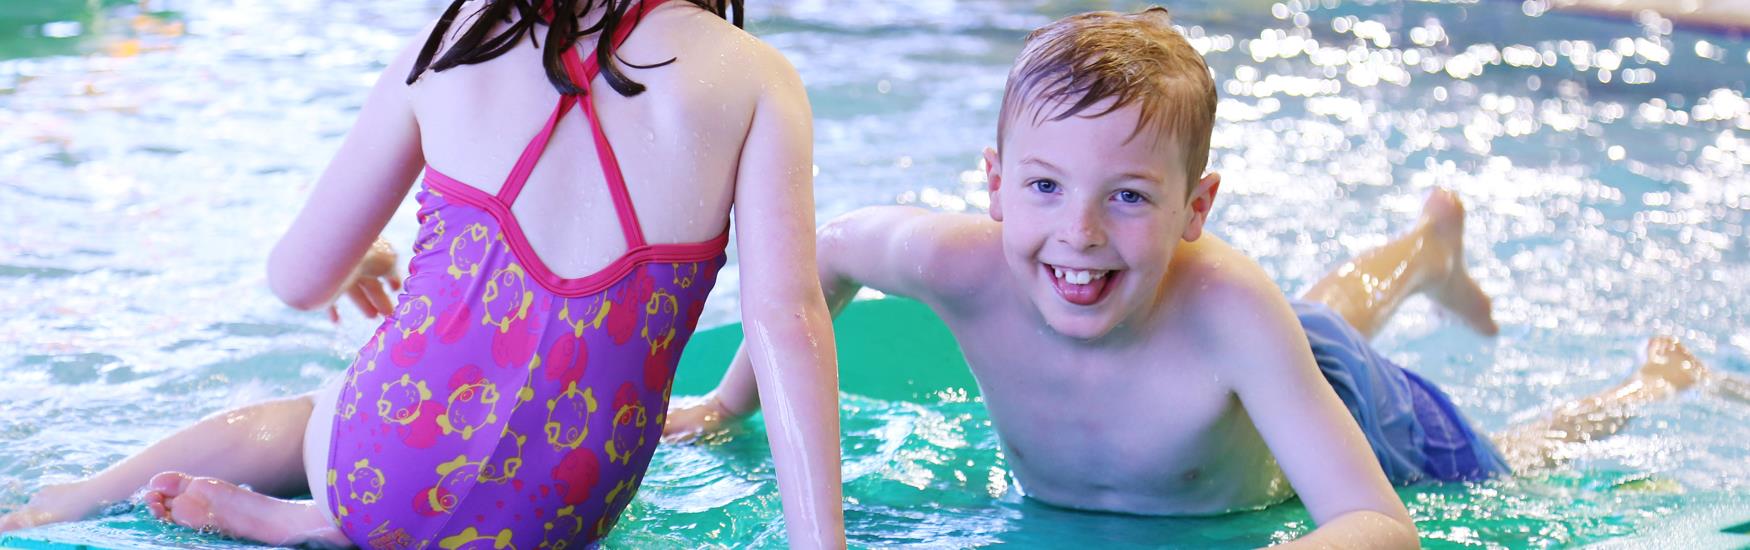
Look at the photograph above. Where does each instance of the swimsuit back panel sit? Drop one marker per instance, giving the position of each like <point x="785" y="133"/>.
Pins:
<point x="500" y="404"/>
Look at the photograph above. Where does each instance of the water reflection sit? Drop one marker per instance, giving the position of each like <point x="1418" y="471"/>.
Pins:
<point x="148" y="150"/>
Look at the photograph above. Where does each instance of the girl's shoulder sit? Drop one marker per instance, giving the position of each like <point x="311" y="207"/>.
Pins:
<point x="682" y="22"/>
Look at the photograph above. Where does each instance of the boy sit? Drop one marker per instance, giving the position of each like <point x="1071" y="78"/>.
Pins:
<point x="1090" y="294"/>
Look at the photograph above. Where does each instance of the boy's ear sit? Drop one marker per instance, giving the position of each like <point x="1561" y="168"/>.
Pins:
<point x="993" y="176"/>
<point x="1202" y="200"/>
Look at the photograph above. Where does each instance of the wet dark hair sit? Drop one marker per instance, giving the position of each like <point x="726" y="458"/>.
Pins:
<point x="474" y="46"/>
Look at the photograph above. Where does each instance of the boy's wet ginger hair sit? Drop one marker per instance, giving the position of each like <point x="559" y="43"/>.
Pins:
<point x="1077" y="62"/>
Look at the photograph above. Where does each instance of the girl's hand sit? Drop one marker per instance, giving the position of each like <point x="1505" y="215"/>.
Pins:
<point x="365" y="285"/>
<point x="693" y="419"/>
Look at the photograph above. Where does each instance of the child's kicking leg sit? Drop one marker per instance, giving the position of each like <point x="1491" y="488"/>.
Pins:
<point x="1669" y="369"/>
<point x="260" y="445"/>
<point x="1367" y="290"/>
<point x="1429" y="259"/>
<point x="1729" y="386"/>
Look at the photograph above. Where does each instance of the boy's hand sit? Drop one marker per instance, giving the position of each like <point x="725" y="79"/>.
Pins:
<point x="695" y="417"/>
<point x="365" y="286"/>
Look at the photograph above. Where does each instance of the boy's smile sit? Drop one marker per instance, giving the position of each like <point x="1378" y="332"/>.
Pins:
<point x="1081" y="286"/>
<point x="1092" y="210"/>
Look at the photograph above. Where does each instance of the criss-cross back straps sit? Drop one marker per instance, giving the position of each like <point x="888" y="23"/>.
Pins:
<point x="583" y="73"/>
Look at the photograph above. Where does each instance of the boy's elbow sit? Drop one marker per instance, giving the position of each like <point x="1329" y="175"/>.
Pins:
<point x="848" y="240"/>
<point x="1394" y="529"/>
<point x="1407" y="535"/>
<point x="829" y="241"/>
<point x="1363" y="529"/>
<point x="832" y="236"/>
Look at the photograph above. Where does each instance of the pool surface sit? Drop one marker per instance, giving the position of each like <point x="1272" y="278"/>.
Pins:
<point x="149" y="155"/>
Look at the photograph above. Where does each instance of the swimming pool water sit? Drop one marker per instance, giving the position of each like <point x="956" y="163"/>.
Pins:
<point x="149" y="155"/>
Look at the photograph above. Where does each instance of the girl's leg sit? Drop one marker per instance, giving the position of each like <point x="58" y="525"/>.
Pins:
<point x="216" y="504"/>
<point x="260" y="445"/>
<point x="1429" y="259"/>
<point x="1669" y="369"/>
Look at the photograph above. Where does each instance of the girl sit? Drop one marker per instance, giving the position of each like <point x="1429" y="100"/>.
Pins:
<point x="581" y="159"/>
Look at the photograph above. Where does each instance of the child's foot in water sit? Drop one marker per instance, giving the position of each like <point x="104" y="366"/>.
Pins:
<point x="51" y="504"/>
<point x="1669" y="361"/>
<point x="1443" y="216"/>
<point x="214" y="505"/>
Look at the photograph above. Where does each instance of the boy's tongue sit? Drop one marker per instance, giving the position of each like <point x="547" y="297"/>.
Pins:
<point x="1081" y="295"/>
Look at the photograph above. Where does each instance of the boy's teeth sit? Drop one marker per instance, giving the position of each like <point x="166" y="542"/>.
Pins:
<point x="1077" y="276"/>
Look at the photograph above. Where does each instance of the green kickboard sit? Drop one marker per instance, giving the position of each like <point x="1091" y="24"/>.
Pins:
<point x="890" y="349"/>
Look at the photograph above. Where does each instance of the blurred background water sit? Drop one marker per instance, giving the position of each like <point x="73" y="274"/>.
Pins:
<point x="150" y="153"/>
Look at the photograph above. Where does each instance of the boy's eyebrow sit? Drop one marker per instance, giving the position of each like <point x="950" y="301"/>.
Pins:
<point x="1127" y="176"/>
<point x="1144" y="176"/>
<point x="1042" y="163"/>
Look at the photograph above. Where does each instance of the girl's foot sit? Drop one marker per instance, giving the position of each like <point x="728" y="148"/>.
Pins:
<point x="214" y="505"/>
<point x="51" y="504"/>
<point x="1443" y="219"/>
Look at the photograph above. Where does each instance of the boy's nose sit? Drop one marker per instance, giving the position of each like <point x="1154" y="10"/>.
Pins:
<point x="1083" y="231"/>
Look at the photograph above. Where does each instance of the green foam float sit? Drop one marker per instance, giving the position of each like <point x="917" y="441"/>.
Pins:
<point x="890" y="349"/>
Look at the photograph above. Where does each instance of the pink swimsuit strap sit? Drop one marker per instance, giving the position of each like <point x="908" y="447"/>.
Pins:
<point x="638" y="251"/>
<point x="583" y="73"/>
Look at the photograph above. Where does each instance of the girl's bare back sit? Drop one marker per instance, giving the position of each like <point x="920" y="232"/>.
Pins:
<point x="678" y="143"/>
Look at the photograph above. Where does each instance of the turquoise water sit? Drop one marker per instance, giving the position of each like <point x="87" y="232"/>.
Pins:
<point x="148" y="155"/>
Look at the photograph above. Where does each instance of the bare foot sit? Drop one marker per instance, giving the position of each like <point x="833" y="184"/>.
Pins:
<point x="1669" y="369"/>
<point x="23" y="518"/>
<point x="51" y="504"/>
<point x="1443" y="218"/>
<point x="214" y="505"/>
<point x="1670" y="361"/>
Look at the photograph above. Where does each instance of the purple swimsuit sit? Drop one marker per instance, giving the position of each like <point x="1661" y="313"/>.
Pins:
<point x="502" y="406"/>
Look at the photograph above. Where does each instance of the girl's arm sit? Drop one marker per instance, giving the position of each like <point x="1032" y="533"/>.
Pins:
<point x="353" y="200"/>
<point x="783" y="312"/>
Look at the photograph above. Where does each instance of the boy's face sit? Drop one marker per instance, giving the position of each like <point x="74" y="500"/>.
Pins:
<point x="1091" y="216"/>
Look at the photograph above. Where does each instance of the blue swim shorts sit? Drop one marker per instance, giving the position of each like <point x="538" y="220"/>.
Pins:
<point x="1416" y="432"/>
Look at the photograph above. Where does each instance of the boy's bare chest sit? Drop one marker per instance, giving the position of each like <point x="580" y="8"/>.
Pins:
<point x="1154" y="432"/>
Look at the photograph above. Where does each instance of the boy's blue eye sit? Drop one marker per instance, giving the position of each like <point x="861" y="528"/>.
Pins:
<point x="1131" y="197"/>
<point x="1045" y="186"/>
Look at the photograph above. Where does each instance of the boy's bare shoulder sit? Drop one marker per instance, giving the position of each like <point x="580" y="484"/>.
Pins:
<point x="1231" y="300"/>
<point x="1217" y="274"/>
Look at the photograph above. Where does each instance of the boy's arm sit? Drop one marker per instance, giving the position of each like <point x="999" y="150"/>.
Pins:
<point x="353" y="199"/>
<point x="782" y="311"/>
<point x="900" y="250"/>
<point x="1314" y="438"/>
